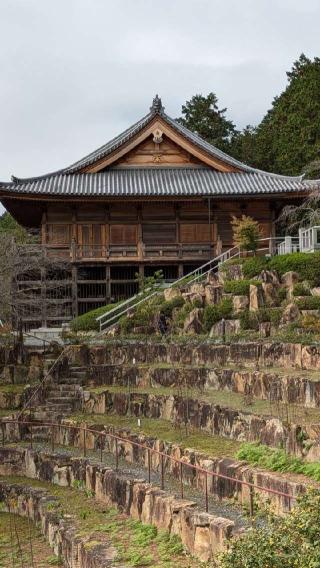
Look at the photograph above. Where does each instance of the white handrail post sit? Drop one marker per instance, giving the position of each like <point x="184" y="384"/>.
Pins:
<point x="301" y="239"/>
<point x="288" y="245"/>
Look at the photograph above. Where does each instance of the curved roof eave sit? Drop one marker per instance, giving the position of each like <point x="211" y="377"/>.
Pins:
<point x="156" y="110"/>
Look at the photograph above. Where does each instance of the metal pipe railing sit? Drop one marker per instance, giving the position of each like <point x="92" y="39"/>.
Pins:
<point x="162" y="457"/>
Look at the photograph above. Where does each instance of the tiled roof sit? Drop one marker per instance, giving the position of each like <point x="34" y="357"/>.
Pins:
<point x="156" y="180"/>
<point x="124" y="182"/>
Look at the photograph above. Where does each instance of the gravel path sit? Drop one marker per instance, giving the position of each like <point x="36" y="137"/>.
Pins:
<point x="219" y="508"/>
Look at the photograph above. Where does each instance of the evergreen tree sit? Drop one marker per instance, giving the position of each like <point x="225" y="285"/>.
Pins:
<point x="203" y="116"/>
<point x="288" y="137"/>
<point x="8" y="226"/>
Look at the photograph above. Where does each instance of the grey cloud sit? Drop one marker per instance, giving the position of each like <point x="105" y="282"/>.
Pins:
<point x="76" y="72"/>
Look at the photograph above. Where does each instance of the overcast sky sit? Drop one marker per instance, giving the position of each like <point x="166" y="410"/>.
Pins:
<point x="76" y="72"/>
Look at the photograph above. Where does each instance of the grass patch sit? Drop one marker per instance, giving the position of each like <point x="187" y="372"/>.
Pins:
<point x="292" y="412"/>
<point x="277" y="460"/>
<point x="136" y="544"/>
<point x="164" y="430"/>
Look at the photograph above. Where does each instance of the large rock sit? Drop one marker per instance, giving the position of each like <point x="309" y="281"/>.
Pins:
<point x="213" y="294"/>
<point x="240" y="303"/>
<point x="171" y="294"/>
<point x="315" y="291"/>
<point x="289" y="279"/>
<point x="214" y="278"/>
<point x="193" y="322"/>
<point x="270" y="293"/>
<point x="290" y="314"/>
<point x="234" y="271"/>
<point x="256" y="298"/>
<point x="231" y="327"/>
<point x="269" y="277"/>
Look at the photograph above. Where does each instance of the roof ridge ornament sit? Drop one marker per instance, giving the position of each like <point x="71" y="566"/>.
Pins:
<point x="157" y="105"/>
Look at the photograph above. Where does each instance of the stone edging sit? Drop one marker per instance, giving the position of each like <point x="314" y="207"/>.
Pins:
<point x="61" y="533"/>
<point x="202" y="534"/>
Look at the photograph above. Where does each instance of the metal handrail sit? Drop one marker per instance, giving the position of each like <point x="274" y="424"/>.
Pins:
<point x="105" y="320"/>
<point x="53" y="426"/>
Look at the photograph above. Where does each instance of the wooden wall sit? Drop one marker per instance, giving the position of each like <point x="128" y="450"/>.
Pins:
<point x="148" y="223"/>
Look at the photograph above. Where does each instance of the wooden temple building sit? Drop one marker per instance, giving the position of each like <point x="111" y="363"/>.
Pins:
<point x="155" y="197"/>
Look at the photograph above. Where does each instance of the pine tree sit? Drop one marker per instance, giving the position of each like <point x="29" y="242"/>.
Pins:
<point x="203" y="116"/>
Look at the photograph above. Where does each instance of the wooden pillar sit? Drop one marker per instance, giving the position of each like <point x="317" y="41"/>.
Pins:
<point x="43" y="297"/>
<point x="108" y="284"/>
<point x="140" y="235"/>
<point x="74" y="291"/>
<point x="44" y="228"/>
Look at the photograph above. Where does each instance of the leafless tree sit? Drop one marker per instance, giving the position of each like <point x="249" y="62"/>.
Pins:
<point x="29" y="276"/>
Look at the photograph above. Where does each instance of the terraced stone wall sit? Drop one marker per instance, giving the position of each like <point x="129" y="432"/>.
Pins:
<point x="202" y="534"/>
<point x="286" y="355"/>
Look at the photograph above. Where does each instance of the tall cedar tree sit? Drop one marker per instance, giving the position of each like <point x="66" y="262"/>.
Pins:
<point x="203" y="116"/>
<point x="288" y="138"/>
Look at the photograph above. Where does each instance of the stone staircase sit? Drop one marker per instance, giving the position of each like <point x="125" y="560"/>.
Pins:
<point x="63" y="396"/>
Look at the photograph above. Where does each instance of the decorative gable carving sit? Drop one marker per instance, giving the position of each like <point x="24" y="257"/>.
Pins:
<point x="168" y="148"/>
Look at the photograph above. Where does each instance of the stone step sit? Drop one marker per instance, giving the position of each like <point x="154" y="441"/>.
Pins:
<point x="60" y="400"/>
<point x="77" y="373"/>
<point x="73" y="381"/>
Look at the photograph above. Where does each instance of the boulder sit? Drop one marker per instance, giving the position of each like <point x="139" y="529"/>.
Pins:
<point x="269" y="277"/>
<point x="265" y="329"/>
<point x="315" y="291"/>
<point x="197" y="288"/>
<point x="193" y="322"/>
<point x="171" y="293"/>
<point x="240" y="303"/>
<point x="231" y="327"/>
<point x="213" y="294"/>
<point x="269" y="293"/>
<point x="214" y="278"/>
<point x="256" y="298"/>
<point x="289" y="279"/>
<point x="290" y="314"/>
<point x="234" y="272"/>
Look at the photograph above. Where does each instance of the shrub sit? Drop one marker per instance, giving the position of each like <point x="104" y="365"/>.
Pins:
<point x="307" y="265"/>
<point x="309" y="323"/>
<point x="309" y="303"/>
<point x="214" y="313"/>
<point x="246" y="232"/>
<point x="87" y="322"/>
<point x="253" y="266"/>
<point x="167" y="307"/>
<point x="301" y="289"/>
<point x="288" y="541"/>
<point x="282" y="294"/>
<point x="249" y="320"/>
<point x="182" y="314"/>
<point x="277" y="460"/>
<point x="272" y="315"/>
<point x="239" y="287"/>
